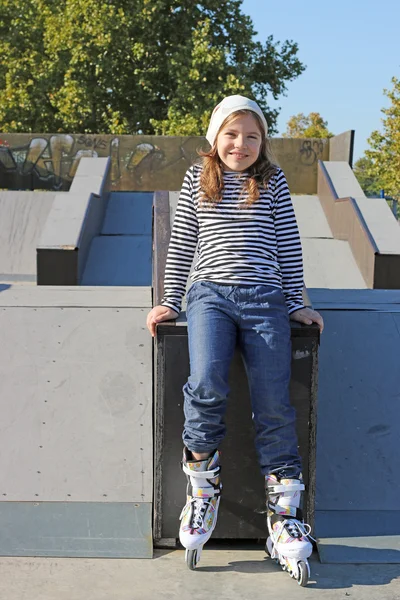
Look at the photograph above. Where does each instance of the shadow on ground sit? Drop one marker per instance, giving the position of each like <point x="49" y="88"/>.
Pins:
<point x="323" y="576"/>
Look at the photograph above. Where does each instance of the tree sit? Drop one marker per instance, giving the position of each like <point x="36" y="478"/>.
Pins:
<point x="312" y="126"/>
<point x="384" y="155"/>
<point x="132" y="66"/>
<point x="371" y="186"/>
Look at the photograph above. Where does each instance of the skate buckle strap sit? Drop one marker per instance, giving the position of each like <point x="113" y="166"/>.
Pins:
<point x="202" y="474"/>
<point x="280" y="489"/>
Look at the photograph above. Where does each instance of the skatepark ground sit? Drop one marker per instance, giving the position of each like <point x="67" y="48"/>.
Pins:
<point x="229" y="573"/>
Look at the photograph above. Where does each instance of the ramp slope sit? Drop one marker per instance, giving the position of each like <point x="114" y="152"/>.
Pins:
<point x="121" y="254"/>
<point x="328" y="262"/>
<point x="22" y="219"/>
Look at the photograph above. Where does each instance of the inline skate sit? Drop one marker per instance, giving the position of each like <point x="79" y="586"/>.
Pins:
<point x="199" y="515"/>
<point x="289" y="537"/>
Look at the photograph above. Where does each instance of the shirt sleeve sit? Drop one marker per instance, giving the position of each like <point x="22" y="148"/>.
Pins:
<point x="290" y="256"/>
<point x="182" y="246"/>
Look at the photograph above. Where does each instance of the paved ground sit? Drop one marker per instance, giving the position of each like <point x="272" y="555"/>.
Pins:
<point x="227" y="574"/>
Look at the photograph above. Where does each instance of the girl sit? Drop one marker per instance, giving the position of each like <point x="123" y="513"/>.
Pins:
<point x="235" y="208"/>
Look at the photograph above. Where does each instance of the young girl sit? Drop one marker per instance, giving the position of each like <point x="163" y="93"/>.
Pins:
<point x="235" y="208"/>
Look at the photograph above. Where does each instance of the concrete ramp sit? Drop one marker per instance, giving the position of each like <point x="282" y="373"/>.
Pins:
<point x="358" y="463"/>
<point x="122" y="253"/>
<point x="367" y="224"/>
<point x="76" y="428"/>
<point x="328" y="262"/>
<point x="22" y="219"/>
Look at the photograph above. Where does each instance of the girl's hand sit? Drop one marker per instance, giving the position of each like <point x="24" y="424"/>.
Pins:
<point x="308" y="316"/>
<point x="157" y="315"/>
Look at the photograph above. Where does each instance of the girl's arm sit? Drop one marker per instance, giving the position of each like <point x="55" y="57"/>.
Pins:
<point x="182" y="246"/>
<point x="290" y="256"/>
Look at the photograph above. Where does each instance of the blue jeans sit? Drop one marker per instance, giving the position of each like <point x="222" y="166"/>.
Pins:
<point x="256" y="317"/>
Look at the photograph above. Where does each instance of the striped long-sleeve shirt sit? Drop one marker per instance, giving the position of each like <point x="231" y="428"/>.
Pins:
<point x="237" y="244"/>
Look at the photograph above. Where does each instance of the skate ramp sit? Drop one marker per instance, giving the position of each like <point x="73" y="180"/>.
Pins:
<point x="367" y="224"/>
<point x="121" y="253"/>
<point x="358" y="487"/>
<point x="22" y="218"/>
<point x="76" y="372"/>
<point x="76" y="428"/>
<point x="328" y="262"/>
<point x="94" y="236"/>
<point x="349" y="241"/>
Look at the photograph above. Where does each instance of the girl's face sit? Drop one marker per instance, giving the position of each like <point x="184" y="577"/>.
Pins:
<point x="239" y="143"/>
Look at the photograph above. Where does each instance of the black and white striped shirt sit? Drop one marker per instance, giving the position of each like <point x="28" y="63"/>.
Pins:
<point x="237" y="244"/>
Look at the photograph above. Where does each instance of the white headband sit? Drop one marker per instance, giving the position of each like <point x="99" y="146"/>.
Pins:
<point x="229" y="105"/>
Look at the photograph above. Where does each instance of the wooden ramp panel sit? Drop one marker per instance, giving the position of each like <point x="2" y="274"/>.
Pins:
<point x="76" y="428"/>
<point x="358" y="487"/>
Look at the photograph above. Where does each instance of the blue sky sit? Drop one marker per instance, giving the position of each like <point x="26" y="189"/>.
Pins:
<point x="351" y="50"/>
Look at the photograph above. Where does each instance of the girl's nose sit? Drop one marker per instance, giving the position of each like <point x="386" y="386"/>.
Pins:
<point x="241" y="141"/>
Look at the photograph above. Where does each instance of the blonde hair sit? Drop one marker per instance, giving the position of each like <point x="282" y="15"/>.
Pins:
<point x="260" y="172"/>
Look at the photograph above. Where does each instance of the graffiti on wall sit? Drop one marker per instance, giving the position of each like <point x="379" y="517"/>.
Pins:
<point x="311" y="151"/>
<point x="137" y="162"/>
<point x="50" y="162"/>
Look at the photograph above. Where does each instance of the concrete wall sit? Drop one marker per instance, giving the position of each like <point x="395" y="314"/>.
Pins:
<point x="341" y="147"/>
<point x="140" y="163"/>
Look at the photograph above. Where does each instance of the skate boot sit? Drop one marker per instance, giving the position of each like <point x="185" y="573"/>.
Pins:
<point x="289" y="537"/>
<point x="199" y="515"/>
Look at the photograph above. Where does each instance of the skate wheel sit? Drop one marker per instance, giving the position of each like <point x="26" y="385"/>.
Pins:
<point x="302" y="574"/>
<point x="268" y="547"/>
<point x="191" y="559"/>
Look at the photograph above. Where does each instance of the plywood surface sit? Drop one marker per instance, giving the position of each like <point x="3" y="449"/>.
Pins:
<point x="22" y="219"/>
<point x="74" y="296"/>
<point x="119" y="260"/>
<point x="76" y="405"/>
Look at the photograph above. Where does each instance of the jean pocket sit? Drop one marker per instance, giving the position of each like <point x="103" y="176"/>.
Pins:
<point x="190" y="290"/>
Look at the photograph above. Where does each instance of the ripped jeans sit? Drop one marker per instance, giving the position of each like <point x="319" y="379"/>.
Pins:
<point x="256" y="317"/>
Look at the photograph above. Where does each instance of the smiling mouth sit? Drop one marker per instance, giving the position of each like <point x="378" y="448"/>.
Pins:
<point x="237" y="155"/>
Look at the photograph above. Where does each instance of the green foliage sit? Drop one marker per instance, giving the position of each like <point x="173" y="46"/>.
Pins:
<point x="132" y="66"/>
<point x="312" y="126"/>
<point x="384" y="155"/>
<point x="371" y="185"/>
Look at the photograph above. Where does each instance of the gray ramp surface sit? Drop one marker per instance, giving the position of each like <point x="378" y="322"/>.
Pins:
<point x="76" y="427"/>
<point x="311" y="217"/>
<point x="22" y="219"/>
<point x="122" y="254"/>
<point x="330" y="263"/>
<point x="358" y="463"/>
